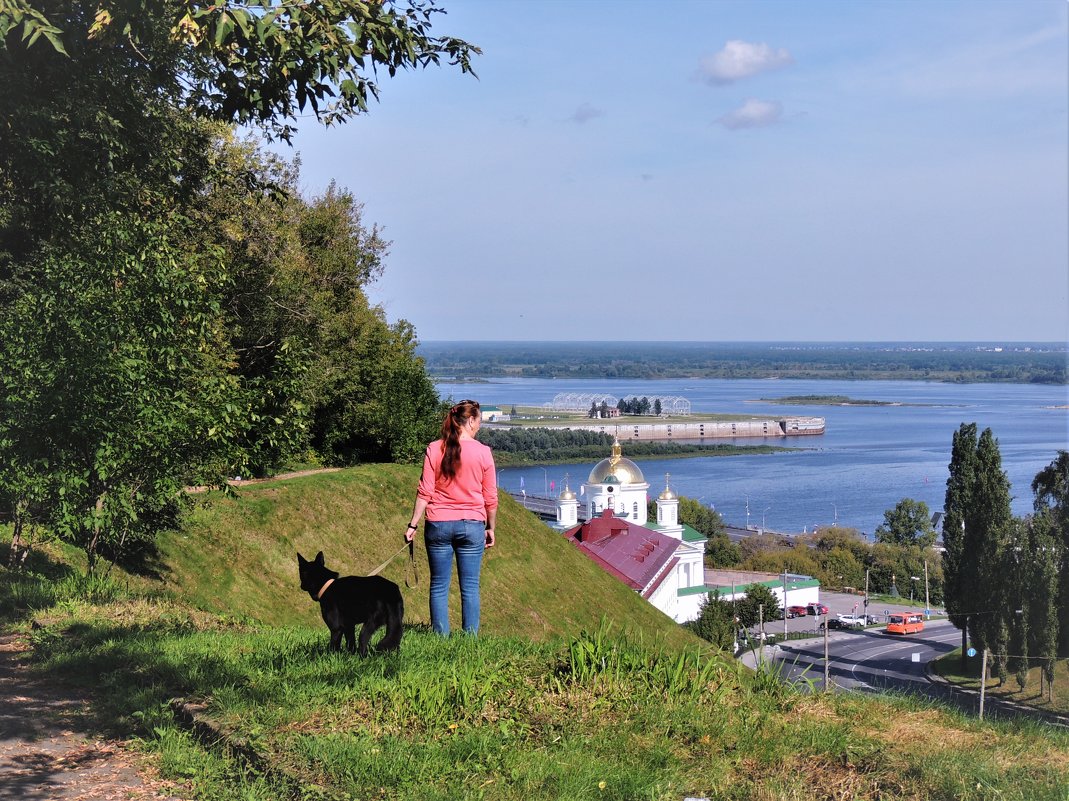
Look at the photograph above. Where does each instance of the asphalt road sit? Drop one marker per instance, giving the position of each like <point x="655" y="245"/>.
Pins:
<point x="874" y="661"/>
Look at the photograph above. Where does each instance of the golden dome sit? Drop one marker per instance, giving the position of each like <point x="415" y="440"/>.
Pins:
<point x="667" y="494"/>
<point x="616" y="467"/>
<point x="567" y="495"/>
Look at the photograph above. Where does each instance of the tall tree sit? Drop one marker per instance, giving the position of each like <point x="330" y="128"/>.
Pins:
<point x="1051" y="503"/>
<point x="958" y="569"/>
<point x="909" y="523"/>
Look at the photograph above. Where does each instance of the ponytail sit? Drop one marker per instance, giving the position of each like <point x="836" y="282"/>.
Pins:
<point x="454" y="420"/>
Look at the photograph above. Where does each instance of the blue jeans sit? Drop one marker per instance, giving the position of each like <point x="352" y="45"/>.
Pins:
<point x="467" y="540"/>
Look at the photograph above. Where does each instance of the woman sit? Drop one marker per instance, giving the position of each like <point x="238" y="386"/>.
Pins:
<point x="458" y="491"/>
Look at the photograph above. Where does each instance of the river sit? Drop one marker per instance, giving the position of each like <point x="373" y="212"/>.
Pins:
<point x="869" y="458"/>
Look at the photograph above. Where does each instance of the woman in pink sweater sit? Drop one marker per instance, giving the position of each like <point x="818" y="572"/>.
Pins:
<point x="458" y="492"/>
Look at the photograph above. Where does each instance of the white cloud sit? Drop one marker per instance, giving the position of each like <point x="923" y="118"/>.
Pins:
<point x="752" y="114"/>
<point x="739" y="59"/>
<point x="585" y="113"/>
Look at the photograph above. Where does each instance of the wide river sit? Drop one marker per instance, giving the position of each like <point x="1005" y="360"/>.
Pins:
<point x="869" y="458"/>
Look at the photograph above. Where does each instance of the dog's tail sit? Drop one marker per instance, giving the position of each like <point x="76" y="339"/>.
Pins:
<point x="395" y="614"/>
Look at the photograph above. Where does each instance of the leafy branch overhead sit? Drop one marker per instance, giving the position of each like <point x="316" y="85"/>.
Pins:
<point x="255" y="62"/>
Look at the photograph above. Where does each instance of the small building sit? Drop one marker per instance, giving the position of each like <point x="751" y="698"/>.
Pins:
<point x="494" y="414"/>
<point x="790" y="589"/>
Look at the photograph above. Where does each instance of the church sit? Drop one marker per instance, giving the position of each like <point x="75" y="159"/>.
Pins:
<point x="662" y="560"/>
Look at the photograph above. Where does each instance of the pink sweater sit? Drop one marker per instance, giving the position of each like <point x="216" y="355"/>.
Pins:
<point x="472" y="493"/>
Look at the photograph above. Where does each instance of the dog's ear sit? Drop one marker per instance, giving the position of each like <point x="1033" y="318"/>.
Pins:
<point x="319" y="559"/>
<point x="300" y="559"/>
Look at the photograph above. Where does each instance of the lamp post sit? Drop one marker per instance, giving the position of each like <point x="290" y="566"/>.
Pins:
<point x="912" y="583"/>
<point x="545" y="480"/>
<point x="835" y="510"/>
<point x="763" y="519"/>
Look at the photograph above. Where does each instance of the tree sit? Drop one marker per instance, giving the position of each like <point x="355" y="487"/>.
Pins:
<point x="759" y="603"/>
<point x="248" y="62"/>
<point x="976" y="528"/>
<point x="715" y="622"/>
<point x="909" y="523"/>
<point x="657" y="407"/>
<point x="1051" y="503"/>
<point x="721" y="551"/>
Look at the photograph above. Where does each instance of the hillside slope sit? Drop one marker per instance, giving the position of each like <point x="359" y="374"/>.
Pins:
<point x="238" y="556"/>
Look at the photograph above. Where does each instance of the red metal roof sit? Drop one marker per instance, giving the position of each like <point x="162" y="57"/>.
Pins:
<point x="634" y="554"/>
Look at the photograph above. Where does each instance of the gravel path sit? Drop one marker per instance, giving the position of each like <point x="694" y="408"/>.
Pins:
<point x="47" y="748"/>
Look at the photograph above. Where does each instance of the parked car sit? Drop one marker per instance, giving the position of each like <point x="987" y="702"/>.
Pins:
<point x="851" y="621"/>
<point x="832" y="623"/>
<point x="796" y="611"/>
<point x="816" y="609"/>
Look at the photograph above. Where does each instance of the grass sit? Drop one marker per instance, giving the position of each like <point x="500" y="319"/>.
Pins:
<point x="598" y="715"/>
<point x="237" y="556"/>
<point x="949" y="667"/>
<point x="575" y="688"/>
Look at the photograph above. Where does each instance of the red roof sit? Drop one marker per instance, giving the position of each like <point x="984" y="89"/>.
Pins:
<point x="634" y="554"/>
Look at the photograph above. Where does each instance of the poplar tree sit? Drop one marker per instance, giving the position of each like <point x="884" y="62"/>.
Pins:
<point x="975" y="532"/>
<point x="1051" y="503"/>
<point x="959" y="580"/>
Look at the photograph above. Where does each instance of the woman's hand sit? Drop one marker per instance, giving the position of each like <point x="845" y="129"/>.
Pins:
<point x="490" y="538"/>
<point x="410" y="533"/>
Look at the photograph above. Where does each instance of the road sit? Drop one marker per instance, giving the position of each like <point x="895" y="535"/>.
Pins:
<point x="874" y="661"/>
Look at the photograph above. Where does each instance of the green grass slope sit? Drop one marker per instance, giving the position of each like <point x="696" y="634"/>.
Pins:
<point x="238" y="556"/>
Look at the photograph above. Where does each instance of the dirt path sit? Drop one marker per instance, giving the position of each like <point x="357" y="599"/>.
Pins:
<point x="241" y="482"/>
<point x="47" y="750"/>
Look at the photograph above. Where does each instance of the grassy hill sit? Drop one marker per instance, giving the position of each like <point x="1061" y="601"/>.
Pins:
<point x="238" y="556"/>
<point x="548" y="703"/>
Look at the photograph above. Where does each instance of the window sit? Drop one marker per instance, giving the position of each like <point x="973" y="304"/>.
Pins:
<point x="636" y="510"/>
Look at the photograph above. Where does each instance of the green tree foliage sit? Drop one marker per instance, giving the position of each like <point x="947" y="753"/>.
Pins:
<point x="131" y="361"/>
<point x="909" y="523"/>
<point x="258" y="61"/>
<point x="976" y="529"/>
<point x="114" y="381"/>
<point x="721" y="552"/>
<point x="758" y="603"/>
<point x="715" y="623"/>
<point x="1051" y="503"/>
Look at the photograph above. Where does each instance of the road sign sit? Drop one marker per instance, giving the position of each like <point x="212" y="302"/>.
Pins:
<point x="927" y="612"/>
<point x="971" y="652"/>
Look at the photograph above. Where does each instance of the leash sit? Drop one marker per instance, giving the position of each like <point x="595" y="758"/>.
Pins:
<point x="409" y="568"/>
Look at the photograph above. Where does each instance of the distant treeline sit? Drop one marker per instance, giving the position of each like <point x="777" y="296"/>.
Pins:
<point x="515" y="446"/>
<point x="1040" y="363"/>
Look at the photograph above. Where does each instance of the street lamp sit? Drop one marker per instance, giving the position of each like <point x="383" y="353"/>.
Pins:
<point x="835" y="509"/>
<point x="763" y="519"/>
<point x="545" y="480"/>
<point x="912" y="584"/>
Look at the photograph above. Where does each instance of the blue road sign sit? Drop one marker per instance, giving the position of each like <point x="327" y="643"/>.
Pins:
<point x="971" y="652"/>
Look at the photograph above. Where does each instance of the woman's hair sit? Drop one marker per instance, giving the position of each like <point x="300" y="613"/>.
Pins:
<point x="454" y="420"/>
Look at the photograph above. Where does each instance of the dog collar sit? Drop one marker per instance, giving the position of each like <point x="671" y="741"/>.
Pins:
<point x="323" y="589"/>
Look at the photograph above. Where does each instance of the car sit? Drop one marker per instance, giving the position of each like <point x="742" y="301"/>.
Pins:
<point x="816" y="609"/>
<point x="832" y="623"/>
<point x="796" y="611"/>
<point x="851" y="621"/>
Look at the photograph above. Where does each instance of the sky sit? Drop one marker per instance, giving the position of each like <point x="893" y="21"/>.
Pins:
<point x="723" y="170"/>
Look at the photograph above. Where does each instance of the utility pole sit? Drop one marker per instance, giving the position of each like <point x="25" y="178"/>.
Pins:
<point x="785" y="604"/>
<point x="866" y="594"/>
<point x="827" y="686"/>
<point x="927" y="606"/>
<point x="983" y="683"/>
<point x="761" y="627"/>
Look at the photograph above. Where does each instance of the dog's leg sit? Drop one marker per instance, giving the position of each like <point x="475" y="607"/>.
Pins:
<point x="369" y="628"/>
<point x="350" y="638"/>
<point x="335" y="639"/>
<point x="395" y="614"/>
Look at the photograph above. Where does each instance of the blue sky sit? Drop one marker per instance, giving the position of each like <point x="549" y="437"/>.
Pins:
<point x="723" y="170"/>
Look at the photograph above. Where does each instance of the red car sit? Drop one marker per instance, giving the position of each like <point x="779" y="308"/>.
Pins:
<point x="816" y="609"/>
<point x="796" y="611"/>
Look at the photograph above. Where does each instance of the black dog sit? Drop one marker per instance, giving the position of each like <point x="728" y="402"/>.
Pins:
<point x="372" y="600"/>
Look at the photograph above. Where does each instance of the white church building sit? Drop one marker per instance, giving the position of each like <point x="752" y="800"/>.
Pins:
<point x="661" y="559"/>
